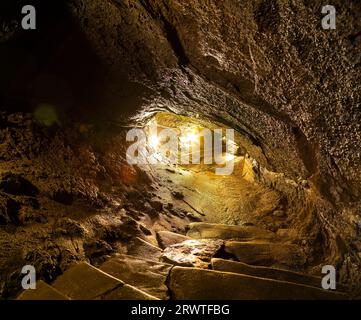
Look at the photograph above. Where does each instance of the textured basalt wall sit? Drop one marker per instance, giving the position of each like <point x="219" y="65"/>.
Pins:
<point x="265" y="68"/>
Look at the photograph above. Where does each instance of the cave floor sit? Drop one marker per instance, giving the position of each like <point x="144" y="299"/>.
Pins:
<point x="227" y="199"/>
<point x="134" y="224"/>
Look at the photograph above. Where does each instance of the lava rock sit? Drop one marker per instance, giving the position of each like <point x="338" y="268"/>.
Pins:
<point x="32" y="202"/>
<point x="266" y="253"/>
<point x="192" y="253"/>
<point x="17" y="185"/>
<point x="46" y="262"/>
<point x="62" y="196"/>
<point x="148" y="276"/>
<point x="143" y="249"/>
<point x="69" y="227"/>
<point x="264" y="272"/>
<point x="95" y="249"/>
<point x="9" y="210"/>
<point x="178" y="195"/>
<point x="200" y="284"/>
<point x="199" y="230"/>
<point x="193" y="217"/>
<point x="124" y="231"/>
<point x="157" y="205"/>
<point x="279" y="213"/>
<point x="167" y="238"/>
<point x="145" y="230"/>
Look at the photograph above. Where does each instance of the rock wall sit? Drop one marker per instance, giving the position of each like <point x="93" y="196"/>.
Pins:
<point x="266" y="68"/>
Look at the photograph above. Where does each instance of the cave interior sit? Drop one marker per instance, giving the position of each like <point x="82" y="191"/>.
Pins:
<point x="95" y="226"/>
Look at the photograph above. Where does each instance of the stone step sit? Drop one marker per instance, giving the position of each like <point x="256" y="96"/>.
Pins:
<point x="200" y="284"/>
<point x="266" y="253"/>
<point x="143" y="249"/>
<point x="269" y="273"/>
<point x="201" y="230"/>
<point x="193" y="253"/>
<point x="146" y="275"/>
<point x="168" y="238"/>
<point x="85" y="282"/>
<point x="43" y="291"/>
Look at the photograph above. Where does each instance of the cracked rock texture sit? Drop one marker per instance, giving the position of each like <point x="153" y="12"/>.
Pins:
<point x="265" y="68"/>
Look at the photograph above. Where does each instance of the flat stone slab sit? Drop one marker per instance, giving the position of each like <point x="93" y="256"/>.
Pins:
<point x="202" y="230"/>
<point x="201" y="284"/>
<point x="148" y="276"/>
<point x="85" y="282"/>
<point x="192" y="253"/>
<point x="143" y="249"/>
<point x="167" y="238"/>
<point x="266" y="253"/>
<point x="43" y="291"/>
<point x="265" y="272"/>
<point x="126" y="292"/>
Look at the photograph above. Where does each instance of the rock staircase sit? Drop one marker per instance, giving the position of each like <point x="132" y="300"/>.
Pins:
<point x="187" y="267"/>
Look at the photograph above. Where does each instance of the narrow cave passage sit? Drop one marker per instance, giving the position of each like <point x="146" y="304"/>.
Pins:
<point x="233" y="197"/>
<point x="180" y="150"/>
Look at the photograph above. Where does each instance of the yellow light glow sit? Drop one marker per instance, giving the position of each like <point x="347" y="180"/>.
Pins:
<point x="190" y="137"/>
<point x="229" y="157"/>
<point x="153" y="141"/>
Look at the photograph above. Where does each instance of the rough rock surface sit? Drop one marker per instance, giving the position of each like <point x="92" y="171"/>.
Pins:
<point x="167" y="238"/>
<point x="221" y="231"/>
<point x="146" y="275"/>
<point x="192" y="253"/>
<point x="42" y="292"/>
<point x="267" y="254"/>
<point x="267" y="69"/>
<point x="84" y="282"/>
<point x="264" y="272"/>
<point x="199" y="284"/>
